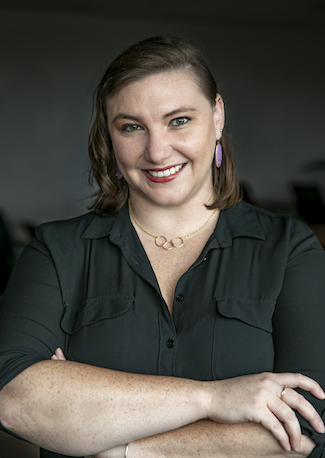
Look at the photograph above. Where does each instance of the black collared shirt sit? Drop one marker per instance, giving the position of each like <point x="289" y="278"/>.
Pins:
<point x="253" y="301"/>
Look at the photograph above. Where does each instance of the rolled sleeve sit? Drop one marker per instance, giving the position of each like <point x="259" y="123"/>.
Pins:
<point x="30" y="313"/>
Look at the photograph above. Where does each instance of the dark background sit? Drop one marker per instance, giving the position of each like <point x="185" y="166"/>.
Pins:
<point x="268" y="58"/>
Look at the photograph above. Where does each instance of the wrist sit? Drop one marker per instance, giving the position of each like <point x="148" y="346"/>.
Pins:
<point x="208" y="392"/>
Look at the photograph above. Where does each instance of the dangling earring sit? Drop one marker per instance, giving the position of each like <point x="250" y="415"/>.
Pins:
<point x="218" y="154"/>
<point x="118" y="173"/>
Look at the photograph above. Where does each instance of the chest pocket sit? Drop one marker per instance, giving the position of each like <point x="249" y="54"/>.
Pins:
<point x="243" y="341"/>
<point x="98" y="332"/>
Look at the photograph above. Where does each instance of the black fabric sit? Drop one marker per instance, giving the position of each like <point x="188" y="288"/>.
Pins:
<point x="7" y="256"/>
<point x="252" y="302"/>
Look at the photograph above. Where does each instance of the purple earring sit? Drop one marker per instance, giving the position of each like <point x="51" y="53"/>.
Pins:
<point x="118" y="172"/>
<point x="218" y="154"/>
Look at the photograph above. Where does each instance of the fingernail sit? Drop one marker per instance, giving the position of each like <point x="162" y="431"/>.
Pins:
<point x="322" y="427"/>
<point x="297" y="447"/>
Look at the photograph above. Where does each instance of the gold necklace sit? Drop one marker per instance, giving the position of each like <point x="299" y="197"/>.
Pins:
<point x="161" y="241"/>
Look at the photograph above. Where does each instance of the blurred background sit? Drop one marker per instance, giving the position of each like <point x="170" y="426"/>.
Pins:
<point x="267" y="57"/>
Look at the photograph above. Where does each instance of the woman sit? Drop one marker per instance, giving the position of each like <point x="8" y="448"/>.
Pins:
<point x="185" y="315"/>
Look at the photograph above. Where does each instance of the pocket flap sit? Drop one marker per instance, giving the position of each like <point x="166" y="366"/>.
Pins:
<point x="255" y="312"/>
<point x="93" y="310"/>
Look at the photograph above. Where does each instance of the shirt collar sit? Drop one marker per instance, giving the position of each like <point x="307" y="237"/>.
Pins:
<point x="240" y="221"/>
<point x="102" y="226"/>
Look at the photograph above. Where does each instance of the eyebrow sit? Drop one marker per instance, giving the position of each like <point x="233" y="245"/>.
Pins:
<point x="167" y="115"/>
<point x="179" y="110"/>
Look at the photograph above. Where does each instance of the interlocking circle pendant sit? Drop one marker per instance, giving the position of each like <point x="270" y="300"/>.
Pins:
<point x="160" y="240"/>
<point x="175" y="242"/>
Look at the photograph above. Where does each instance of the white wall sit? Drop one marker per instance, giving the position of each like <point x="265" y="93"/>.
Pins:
<point x="272" y="82"/>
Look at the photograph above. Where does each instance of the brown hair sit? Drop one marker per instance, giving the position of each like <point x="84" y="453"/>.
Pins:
<point x="151" y="56"/>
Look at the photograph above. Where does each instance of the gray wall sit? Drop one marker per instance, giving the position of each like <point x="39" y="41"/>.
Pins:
<point x="272" y="80"/>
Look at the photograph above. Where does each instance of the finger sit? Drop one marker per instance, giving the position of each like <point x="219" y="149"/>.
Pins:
<point x="59" y="354"/>
<point x="271" y="422"/>
<point x="289" y="420"/>
<point x="293" y="380"/>
<point x="298" y="402"/>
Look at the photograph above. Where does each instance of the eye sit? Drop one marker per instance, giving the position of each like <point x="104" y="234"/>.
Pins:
<point x="180" y="121"/>
<point x="130" y="127"/>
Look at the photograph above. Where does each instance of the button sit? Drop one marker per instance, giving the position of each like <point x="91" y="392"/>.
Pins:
<point x="170" y="343"/>
<point x="179" y="297"/>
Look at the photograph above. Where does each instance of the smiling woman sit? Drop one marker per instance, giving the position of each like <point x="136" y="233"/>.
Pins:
<point x="160" y="143"/>
<point x="177" y="72"/>
<point x="173" y="319"/>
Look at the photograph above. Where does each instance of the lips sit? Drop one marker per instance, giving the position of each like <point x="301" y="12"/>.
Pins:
<point x="164" y="175"/>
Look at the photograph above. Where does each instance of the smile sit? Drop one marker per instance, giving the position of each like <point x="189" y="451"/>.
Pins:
<point x="166" y="172"/>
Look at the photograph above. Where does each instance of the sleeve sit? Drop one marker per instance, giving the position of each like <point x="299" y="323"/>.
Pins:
<point x="30" y="313"/>
<point x="299" y="320"/>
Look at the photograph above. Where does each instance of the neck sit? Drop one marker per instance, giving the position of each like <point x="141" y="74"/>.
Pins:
<point x="171" y="221"/>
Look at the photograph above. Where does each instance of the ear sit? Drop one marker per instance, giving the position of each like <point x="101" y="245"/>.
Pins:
<point x="219" y="116"/>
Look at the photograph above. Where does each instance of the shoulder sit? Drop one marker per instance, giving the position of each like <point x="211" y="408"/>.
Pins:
<point x="279" y="227"/>
<point x="270" y="220"/>
<point x="74" y="227"/>
<point x="71" y="235"/>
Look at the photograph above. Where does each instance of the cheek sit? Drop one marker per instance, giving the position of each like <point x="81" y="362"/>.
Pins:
<point x="126" y="153"/>
<point x="119" y="147"/>
<point x="204" y="149"/>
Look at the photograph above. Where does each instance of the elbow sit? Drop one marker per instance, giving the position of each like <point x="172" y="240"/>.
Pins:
<point x="11" y="409"/>
<point x="7" y="410"/>
<point x="17" y="401"/>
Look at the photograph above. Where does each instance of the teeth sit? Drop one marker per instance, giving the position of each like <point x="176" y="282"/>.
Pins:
<point x="165" y="173"/>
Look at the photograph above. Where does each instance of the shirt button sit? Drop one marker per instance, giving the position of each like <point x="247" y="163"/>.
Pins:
<point x="170" y="343"/>
<point x="179" y="297"/>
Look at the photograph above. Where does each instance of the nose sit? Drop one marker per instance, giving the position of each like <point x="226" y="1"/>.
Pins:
<point x="157" y="147"/>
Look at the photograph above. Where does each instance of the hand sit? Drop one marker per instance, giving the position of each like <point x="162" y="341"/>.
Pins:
<point x="257" y="398"/>
<point x="58" y="355"/>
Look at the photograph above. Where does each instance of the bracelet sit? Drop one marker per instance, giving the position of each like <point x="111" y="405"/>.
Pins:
<point x="126" y="450"/>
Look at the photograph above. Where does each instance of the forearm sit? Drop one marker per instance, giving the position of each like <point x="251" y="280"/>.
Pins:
<point x="77" y="409"/>
<point x="209" y="439"/>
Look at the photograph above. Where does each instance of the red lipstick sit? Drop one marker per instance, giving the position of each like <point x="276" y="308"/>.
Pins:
<point x="164" y="179"/>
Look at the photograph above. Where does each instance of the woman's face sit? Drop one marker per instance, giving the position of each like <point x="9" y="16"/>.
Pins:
<point x="164" y="132"/>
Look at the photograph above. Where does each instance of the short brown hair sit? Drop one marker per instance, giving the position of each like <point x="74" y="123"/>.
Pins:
<point x="148" y="57"/>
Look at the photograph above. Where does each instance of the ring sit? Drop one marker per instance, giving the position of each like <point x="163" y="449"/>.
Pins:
<point x="283" y="393"/>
